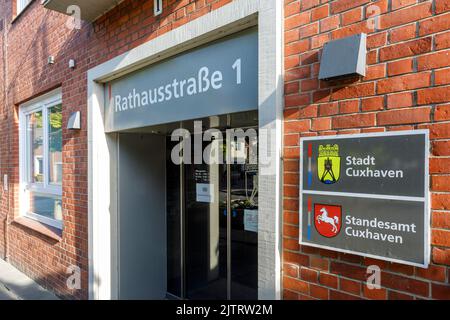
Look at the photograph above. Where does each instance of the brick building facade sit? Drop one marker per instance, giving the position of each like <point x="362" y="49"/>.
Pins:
<point x="27" y="41"/>
<point x="406" y="87"/>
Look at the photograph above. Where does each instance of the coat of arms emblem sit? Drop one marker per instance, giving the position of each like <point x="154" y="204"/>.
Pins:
<point x="328" y="164"/>
<point x="327" y="219"/>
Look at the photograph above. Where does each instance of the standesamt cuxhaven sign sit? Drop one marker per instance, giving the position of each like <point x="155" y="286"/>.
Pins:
<point x="367" y="194"/>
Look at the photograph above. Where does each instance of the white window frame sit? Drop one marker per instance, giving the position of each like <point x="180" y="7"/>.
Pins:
<point x="21" y="5"/>
<point x="41" y="103"/>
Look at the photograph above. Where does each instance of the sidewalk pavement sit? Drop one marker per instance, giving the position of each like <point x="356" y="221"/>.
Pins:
<point x="14" y="285"/>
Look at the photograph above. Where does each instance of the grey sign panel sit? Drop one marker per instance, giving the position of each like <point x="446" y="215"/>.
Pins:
<point x="383" y="228"/>
<point x="218" y="78"/>
<point x="367" y="194"/>
<point x="391" y="165"/>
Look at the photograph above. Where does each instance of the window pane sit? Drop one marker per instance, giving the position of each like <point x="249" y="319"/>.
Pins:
<point x="46" y="205"/>
<point x="35" y="142"/>
<point x="21" y="4"/>
<point x="55" y="144"/>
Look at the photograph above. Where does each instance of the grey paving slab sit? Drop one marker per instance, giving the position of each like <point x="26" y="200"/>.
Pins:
<point x="15" y="284"/>
<point x="5" y="295"/>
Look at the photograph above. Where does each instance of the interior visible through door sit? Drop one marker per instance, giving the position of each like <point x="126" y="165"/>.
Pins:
<point x="212" y="208"/>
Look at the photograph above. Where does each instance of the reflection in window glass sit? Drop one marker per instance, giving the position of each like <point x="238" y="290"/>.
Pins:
<point x="35" y="147"/>
<point x="42" y="141"/>
<point x="21" y="4"/>
<point x="46" y="205"/>
<point x="55" y="144"/>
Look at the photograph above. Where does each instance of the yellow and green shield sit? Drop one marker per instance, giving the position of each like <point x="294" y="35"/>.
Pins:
<point x="328" y="164"/>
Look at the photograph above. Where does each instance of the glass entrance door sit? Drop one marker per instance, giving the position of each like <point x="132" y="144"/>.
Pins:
<point x="212" y="210"/>
<point x="206" y="231"/>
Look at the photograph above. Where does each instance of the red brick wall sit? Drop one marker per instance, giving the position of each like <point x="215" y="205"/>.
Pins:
<point x="36" y="34"/>
<point x="406" y="87"/>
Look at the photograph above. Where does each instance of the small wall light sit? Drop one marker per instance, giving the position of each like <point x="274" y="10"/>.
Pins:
<point x="51" y="60"/>
<point x="344" y="58"/>
<point x="71" y="63"/>
<point x="74" y="121"/>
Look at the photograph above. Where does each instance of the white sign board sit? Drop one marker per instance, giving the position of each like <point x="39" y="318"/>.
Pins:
<point x="251" y="220"/>
<point x="205" y="192"/>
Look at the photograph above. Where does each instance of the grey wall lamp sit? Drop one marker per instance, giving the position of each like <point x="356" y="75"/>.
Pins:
<point x="344" y="58"/>
<point x="74" y="122"/>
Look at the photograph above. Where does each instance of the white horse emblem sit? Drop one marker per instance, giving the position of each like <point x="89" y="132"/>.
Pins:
<point x="325" y="218"/>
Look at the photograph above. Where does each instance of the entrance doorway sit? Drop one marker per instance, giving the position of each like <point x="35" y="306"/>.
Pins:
<point x="212" y="208"/>
<point x="188" y="227"/>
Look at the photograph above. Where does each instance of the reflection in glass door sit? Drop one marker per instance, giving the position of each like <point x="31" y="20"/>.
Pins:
<point x="244" y="231"/>
<point x="212" y="211"/>
<point x="206" y="232"/>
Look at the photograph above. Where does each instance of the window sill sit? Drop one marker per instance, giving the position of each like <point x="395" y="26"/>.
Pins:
<point x="49" y="231"/>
